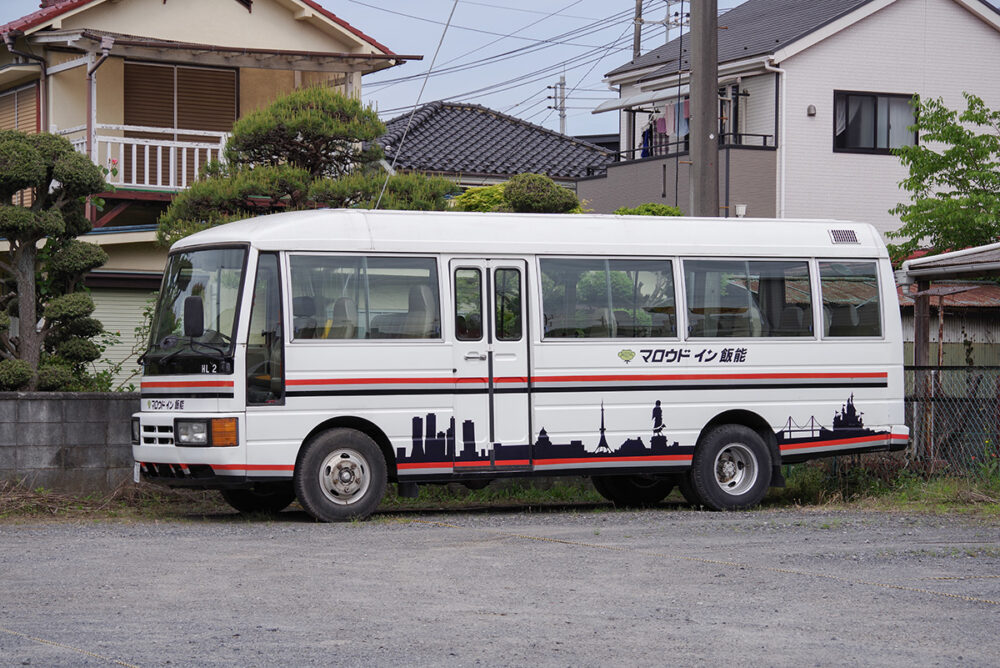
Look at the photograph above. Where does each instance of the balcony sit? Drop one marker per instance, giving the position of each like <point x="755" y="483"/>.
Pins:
<point x="150" y="158"/>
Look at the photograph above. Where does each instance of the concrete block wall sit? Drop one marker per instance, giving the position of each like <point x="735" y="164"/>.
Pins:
<point x="66" y="441"/>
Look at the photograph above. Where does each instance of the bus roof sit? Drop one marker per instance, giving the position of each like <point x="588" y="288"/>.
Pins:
<point x="357" y="230"/>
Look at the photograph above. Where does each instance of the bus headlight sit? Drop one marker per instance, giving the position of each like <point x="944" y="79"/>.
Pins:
<point x="191" y="432"/>
<point x="215" y="432"/>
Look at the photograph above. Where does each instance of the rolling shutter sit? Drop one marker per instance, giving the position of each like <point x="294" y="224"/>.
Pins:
<point x="180" y="98"/>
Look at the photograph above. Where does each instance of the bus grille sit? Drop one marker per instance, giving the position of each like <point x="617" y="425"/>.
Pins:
<point x="157" y="434"/>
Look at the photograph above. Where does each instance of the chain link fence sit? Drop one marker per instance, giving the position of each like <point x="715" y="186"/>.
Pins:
<point x="954" y="418"/>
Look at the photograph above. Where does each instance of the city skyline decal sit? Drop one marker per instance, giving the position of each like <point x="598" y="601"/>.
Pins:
<point x="431" y="446"/>
<point x="848" y="429"/>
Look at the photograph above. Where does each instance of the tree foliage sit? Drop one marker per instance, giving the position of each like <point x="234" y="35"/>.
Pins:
<point x="311" y="148"/>
<point x="649" y="209"/>
<point x="954" y="179"/>
<point x="537" y="193"/>
<point x="522" y="193"/>
<point x="43" y="268"/>
<point x="484" y="199"/>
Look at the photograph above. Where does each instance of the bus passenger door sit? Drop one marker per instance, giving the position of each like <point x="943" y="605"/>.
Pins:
<point x="491" y="365"/>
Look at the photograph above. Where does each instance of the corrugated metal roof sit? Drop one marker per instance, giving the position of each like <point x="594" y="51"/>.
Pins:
<point x="979" y="295"/>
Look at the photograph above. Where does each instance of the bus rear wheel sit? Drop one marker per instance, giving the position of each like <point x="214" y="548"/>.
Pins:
<point x="731" y="468"/>
<point x="632" y="490"/>
<point x="270" y="499"/>
<point x="340" y="476"/>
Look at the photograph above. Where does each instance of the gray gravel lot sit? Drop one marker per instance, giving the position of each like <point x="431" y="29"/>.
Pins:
<point x="562" y="588"/>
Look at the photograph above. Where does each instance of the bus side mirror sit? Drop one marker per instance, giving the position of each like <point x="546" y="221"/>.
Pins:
<point x="194" y="317"/>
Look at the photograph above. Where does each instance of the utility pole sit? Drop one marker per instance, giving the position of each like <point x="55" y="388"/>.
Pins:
<point x="704" y="108"/>
<point x="562" y="104"/>
<point x="637" y="30"/>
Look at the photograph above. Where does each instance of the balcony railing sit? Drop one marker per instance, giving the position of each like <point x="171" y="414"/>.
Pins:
<point x="150" y="158"/>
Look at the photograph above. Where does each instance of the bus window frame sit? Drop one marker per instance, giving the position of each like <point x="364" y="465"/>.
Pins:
<point x="811" y="267"/>
<point x="443" y="318"/>
<point x="878" y="291"/>
<point x="539" y="298"/>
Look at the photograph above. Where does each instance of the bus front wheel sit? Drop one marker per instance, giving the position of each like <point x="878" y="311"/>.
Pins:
<point x="731" y="468"/>
<point x="340" y="476"/>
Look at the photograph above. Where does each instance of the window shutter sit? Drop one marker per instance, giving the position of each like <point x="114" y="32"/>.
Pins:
<point x="27" y="109"/>
<point x="8" y="111"/>
<point x="149" y="95"/>
<point x="206" y="99"/>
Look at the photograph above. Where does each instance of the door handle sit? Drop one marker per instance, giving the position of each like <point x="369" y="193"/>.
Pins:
<point x="469" y="357"/>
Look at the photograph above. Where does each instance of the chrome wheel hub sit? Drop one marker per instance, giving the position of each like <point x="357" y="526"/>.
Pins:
<point x="344" y="476"/>
<point x="736" y="469"/>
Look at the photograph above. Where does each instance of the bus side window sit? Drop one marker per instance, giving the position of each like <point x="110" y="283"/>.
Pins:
<point x="508" y="304"/>
<point x="265" y="354"/>
<point x="850" y="299"/>
<point x="783" y="296"/>
<point x="468" y="305"/>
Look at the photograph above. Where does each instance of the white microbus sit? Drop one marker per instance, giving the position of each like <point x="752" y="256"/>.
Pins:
<point x="321" y="355"/>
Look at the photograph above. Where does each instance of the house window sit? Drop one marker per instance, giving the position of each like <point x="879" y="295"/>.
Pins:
<point x="872" y="122"/>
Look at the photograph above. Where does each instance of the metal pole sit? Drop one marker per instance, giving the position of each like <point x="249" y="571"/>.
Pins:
<point x="637" y="30"/>
<point x="562" y="104"/>
<point x="704" y="108"/>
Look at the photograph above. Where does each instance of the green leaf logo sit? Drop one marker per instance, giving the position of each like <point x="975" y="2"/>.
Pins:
<point x="627" y="355"/>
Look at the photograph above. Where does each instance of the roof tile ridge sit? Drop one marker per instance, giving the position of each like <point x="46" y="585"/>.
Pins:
<point x="528" y="124"/>
<point x="41" y="15"/>
<point x="423" y="113"/>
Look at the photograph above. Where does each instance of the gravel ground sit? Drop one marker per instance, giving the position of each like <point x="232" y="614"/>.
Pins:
<point x="562" y="588"/>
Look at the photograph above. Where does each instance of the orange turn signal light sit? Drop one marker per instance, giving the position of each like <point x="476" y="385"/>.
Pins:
<point x="224" y="432"/>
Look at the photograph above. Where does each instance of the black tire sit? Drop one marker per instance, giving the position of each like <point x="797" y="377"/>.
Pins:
<point x="340" y="476"/>
<point x="632" y="491"/>
<point x="477" y="483"/>
<point x="270" y="499"/>
<point x="686" y="488"/>
<point x="731" y="468"/>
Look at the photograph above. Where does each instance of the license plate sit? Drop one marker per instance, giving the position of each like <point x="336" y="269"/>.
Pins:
<point x="135" y="472"/>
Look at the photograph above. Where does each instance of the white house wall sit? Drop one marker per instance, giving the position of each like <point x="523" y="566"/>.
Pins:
<point x="757" y="110"/>
<point x="931" y="47"/>
<point x="270" y="25"/>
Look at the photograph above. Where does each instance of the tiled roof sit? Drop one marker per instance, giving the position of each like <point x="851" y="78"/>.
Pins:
<point x="755" y="28"/>
<point x="470" y="139"/>
<point x="48" y="13"/>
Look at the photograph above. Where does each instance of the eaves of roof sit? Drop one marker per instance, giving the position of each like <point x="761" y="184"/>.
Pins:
<point x="42" y="16"/>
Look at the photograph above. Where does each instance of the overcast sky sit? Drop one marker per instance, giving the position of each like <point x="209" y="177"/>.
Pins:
<point x="503" y="54"/>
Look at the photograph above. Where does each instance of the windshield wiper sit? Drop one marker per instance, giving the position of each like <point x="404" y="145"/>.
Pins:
<point x="189" y="344"/>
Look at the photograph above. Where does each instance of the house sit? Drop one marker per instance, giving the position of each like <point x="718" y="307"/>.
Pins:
<point x="813" y="94"/>
<point x="149" y="90"/>
<point x="477" y="146"/>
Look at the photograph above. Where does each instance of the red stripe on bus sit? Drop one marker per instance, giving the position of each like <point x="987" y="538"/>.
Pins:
<point x="253" y="467"/>
<point x="425" y="465"/>
<point x="841" y="441"/>
<point x="605" y="460"/>
<point x="709" y="376"/>
<point x="384" y="381"/>
<point x="587" y="379"/>
<point x="187" y="383"/>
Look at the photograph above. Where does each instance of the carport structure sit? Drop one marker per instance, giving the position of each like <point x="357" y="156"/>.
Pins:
<point x="977" y="262"/>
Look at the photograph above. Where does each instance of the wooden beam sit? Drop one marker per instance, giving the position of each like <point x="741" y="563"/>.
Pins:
<point x="115" y="211"/>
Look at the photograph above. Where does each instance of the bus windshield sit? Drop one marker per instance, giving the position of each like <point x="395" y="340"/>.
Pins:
<point x="208" y="280"/>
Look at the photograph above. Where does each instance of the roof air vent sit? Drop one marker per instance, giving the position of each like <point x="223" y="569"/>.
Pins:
<point x="844" y="237"/>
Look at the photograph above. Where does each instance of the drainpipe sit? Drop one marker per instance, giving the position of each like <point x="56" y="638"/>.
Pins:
<point x="782" y="118"/>
<point x="8" y="39"/>
<point x="106" y="43"/>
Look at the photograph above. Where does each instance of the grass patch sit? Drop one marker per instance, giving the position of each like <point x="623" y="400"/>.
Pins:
<point x="128" y="502"/>
<point x="887" y="485"/>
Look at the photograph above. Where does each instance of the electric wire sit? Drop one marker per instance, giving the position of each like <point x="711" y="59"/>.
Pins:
<point x="416" y="103"/>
